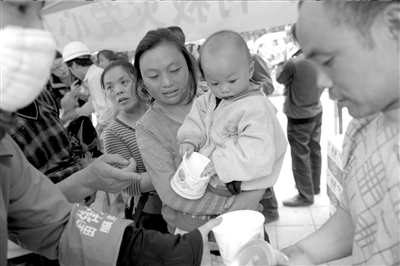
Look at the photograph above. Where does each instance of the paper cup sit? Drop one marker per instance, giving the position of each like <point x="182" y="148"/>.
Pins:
<point x="236" y="229"/>
<point x="187" y="181"/>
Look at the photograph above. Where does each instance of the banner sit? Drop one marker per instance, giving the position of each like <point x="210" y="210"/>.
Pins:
<point x="118" y="25"/>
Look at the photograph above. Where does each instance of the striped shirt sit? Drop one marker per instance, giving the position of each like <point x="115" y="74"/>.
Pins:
<point x="119" y="138"/>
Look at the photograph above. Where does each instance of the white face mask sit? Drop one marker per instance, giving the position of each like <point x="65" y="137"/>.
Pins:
<point x="26" y="58"/>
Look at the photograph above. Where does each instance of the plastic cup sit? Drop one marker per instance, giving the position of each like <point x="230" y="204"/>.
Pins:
<point x="236" y="229"/>
<point x="258" y="252"/>
<point x="187" y="181"/>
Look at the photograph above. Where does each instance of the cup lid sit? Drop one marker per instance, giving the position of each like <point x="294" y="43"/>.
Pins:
<point x="255" y="252"/>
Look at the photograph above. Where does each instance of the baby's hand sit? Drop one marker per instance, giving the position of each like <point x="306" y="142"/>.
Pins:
<point x="186" y="147"/>
<point x="209" y="170"/>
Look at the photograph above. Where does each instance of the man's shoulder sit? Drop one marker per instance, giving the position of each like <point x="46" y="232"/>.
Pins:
<point x="94" y="72"/>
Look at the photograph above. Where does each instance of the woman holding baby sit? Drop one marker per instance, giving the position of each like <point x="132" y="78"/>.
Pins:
<point x="166" y="73"/>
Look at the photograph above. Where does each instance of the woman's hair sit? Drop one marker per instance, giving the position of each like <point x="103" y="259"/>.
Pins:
<point x="120" y="56"/>
<point x="151" y="40"/>
<point x="130" y="70"/>
<point x="106" y="53"/>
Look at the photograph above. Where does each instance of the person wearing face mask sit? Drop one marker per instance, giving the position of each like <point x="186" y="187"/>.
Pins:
<point x="36" y="215"/>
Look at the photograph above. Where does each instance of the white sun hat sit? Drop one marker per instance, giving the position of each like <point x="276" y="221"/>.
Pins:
<point x="74" y="50"/>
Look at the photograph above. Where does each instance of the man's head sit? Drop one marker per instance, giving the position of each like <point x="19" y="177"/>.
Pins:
<point x="78" y="58"/>
<point x="226" y="64"/>
<point x="355" y="46"/>
<point x="27" y="54"/>
<point x="59" y="68"/>
<point x="178" y="32"/>
<point x="104" y="58"/>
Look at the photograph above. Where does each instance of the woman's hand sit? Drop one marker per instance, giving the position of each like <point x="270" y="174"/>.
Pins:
<point x="296" y="256"/>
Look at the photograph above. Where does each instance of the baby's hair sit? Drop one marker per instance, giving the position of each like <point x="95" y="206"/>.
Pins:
<point x="221" y="39"/>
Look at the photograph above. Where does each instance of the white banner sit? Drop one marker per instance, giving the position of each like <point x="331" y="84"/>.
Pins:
<point x="118" y="25"/>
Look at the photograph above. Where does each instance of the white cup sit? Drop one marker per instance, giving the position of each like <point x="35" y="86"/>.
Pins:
<point x="236" y="229"/>
<point x="187" y="181"/>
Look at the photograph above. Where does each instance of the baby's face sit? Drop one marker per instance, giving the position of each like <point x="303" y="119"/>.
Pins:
<point x="227" y="73"/>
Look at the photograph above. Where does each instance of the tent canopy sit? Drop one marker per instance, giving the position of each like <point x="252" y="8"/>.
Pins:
<point x="118" y="25"/>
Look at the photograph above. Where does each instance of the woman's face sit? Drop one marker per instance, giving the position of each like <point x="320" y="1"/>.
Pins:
<point x="103" y="61"/>
<point x="59" y="68"/>
<point x="119" y="87"/>
<point x="165" y="74"/>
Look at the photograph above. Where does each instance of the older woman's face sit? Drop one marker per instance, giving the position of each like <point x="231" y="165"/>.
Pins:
<point x="165" y="74"/>
<point x="59" y="68"/>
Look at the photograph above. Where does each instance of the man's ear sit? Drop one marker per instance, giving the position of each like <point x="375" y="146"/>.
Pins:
<point x="391" y="16"/>
<point x="251" y="69"/>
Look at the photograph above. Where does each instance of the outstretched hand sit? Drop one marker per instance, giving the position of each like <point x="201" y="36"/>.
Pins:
<point x="295" y="256"/>
<point x="101" y="175"/>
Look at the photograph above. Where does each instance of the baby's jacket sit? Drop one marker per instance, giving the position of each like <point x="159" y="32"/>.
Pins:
<point x="242" y="136"/>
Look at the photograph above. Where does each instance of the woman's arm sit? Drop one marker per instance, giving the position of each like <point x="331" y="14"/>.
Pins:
<point x="161" y="161"/>
<point x="114" y="144"/>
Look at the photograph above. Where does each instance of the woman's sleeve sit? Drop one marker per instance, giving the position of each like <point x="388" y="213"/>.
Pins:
<point x="113" y="144"/>
<point x="160" y="166"/>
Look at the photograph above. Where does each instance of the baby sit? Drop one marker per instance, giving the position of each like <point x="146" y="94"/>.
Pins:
<point x="234" y="124"/>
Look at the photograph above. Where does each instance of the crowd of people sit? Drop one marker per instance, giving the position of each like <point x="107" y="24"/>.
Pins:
<point x="88" y="148"/>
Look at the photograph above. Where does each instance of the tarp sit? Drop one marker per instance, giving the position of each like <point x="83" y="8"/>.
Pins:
<point x="118" y="25"/>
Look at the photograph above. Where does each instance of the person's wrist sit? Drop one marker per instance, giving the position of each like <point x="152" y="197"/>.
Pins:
<point x="84" y="183"/>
